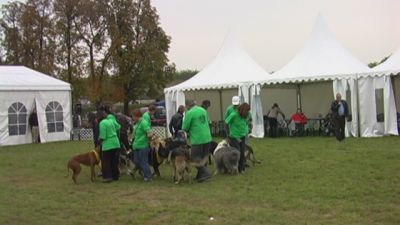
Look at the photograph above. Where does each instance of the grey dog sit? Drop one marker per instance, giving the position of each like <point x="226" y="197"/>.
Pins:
<point x="226" y="158"/>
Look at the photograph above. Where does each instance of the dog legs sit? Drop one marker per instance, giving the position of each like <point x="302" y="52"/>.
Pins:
<point x="76" y="169"/>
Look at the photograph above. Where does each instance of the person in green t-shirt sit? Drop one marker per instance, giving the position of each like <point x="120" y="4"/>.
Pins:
<point x="229" y="110"/>
<point x="140" y="143"/>
<point x="110" y="146"/>
<point x="196" y="125"/>
<point x="150" y="113"/>
<point x="238" y="122"/>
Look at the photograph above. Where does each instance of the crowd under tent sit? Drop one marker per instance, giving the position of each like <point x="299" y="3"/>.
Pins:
<point x="320" y="70"/>
<point x="232" y="72"/>
<point x="23" y="89"/>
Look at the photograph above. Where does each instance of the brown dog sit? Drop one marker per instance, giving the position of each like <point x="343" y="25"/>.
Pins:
<point x="88" y="159"/>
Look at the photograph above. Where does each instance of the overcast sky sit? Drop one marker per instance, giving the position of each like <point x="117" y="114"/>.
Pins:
<point x="273" y="31"/>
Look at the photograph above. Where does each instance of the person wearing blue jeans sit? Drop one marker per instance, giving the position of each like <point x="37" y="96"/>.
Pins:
<point x="140" y="144"/>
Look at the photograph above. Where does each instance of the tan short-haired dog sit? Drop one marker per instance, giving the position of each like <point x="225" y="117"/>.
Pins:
<point x="91" y="159"/>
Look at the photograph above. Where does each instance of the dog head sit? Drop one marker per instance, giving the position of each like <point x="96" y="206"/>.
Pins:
<point x="215" y="147"/>
<point x="221" y="144"/>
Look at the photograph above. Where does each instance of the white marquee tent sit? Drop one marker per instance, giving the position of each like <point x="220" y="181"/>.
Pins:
<point x="323" y="61"/>
<point x="232" y="68"/>
<point x="21" y="89"/>
<point x="381" y="75"/>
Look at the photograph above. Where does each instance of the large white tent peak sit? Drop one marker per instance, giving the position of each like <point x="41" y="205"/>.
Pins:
<point x="230" y="68"/>
<point x="322" y="58"/>
<point x="23" y="78"/>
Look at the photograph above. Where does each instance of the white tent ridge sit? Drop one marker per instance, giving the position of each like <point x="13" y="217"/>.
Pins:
<point x="322" y="58"/>
<point x="231" y="68"/>
<point x="17" y="78"/>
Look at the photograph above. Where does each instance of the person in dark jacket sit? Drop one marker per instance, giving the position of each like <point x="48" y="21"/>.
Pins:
<point x="340" y="111"/>
<point x="34" y="124"/>
<point x="175" y="124"/>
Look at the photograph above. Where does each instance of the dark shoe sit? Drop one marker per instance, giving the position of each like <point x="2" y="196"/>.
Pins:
<point x="204" y="178"/>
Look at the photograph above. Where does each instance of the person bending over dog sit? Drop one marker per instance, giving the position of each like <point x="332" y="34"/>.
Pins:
<point x="140" y="143"/>
<point x="196" y="124"/>
<point x="110" y="146"/>
<point x="238" y="122"/>
<point x="175" y="124"/>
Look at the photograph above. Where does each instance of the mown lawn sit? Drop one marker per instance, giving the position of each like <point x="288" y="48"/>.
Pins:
<point x="300" y="181"/>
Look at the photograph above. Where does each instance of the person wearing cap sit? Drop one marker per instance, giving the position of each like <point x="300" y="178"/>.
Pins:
<point x="196" y="124"/>
<point x="230" y="109"/>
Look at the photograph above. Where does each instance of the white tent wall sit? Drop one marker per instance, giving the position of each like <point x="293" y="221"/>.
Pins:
<point x="43" y="99"/>
<point x="214" y="96"/>
<point x="29" y="99"/>
<point x="396" y="90"/>
<point x="316" y="98"/>
<point x="256" y="112"/>
<point x="7" y="98"/>
<point x="369" y="125"/>
<point x="284" y="95"/>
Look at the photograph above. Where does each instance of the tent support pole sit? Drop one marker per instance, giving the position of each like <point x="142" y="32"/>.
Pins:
<point x="358" y="108"/>
<point x="220" y="104"/>
<point x="298" y="92"/>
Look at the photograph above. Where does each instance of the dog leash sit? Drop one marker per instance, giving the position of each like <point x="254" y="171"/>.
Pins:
<point x="97" y="156"/>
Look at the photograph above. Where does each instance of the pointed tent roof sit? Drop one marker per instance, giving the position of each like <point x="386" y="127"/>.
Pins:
<point x="23" y="78"/>
<point x="391" y="64"/>
<point x="230" y="68"/>
<point x="322" y="58"/>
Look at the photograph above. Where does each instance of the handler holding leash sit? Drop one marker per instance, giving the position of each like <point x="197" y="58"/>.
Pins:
<point x="238" y="122"/>
<point x="196" y="124"/>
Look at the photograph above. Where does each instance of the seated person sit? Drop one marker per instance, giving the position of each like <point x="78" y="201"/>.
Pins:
<point x="299" y="120"/>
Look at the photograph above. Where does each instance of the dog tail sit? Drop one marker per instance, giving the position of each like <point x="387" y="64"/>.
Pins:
<point x="68" y="172"/>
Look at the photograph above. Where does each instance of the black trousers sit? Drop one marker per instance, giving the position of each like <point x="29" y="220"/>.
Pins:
<point x="339" y="127"/>
<point x="273" y="127"/>
<point x="198" y="153"/>
<point x="240" y="145"/>
<point x="109" y="161"/>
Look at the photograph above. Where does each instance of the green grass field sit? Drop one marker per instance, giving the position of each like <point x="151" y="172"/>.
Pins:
<point x="300" y="181"/>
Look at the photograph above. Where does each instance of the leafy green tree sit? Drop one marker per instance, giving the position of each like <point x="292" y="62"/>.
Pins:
<point x="373" y="64"/>
<point x="139" y="48"/>
<point x="10" y="32"/>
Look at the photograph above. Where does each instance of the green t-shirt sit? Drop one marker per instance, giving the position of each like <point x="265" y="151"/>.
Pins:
<point x="147" y="117"/>
<point x="141" y="140"/>
<point x="115" y="122"/>
<point x="196" y="123"/>
<point x="228" y="111"/>
<point x="108" y="134"/>
<point x="238" y="126"/>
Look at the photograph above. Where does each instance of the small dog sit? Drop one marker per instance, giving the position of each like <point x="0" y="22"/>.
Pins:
<point x="226" y="158"/>
<point x="90" y="159"/>
<point x="249" y="155"/>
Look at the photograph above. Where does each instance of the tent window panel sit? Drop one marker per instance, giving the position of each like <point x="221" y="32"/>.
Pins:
<point x="348" y="100"/>
<point x="54" y="117"/>
<point x="12" y="119"/>
<point x="22" y="118"/>
<point x="59" y="116"/>
<point x="17" y="121"/>
<point x="379" y="105"/>
<point x="22" y="129"/>
<point x="59" y="127"/>
<point x="51" y="127"/>
<point x="13" y="130"/>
